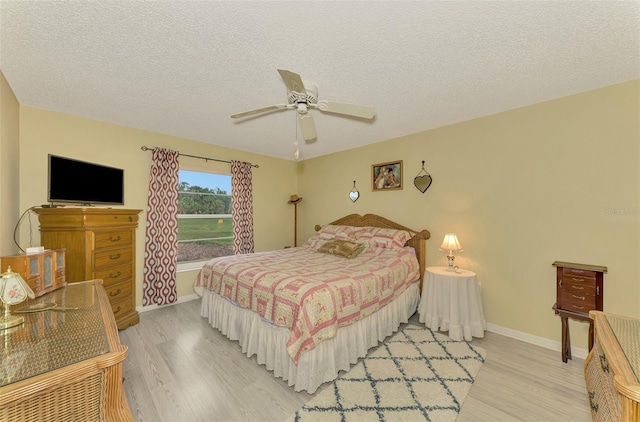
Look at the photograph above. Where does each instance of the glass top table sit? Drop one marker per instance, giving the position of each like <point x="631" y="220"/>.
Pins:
<point x="70" y="332"/>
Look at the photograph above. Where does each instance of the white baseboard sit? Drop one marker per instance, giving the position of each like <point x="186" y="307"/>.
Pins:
<point x="181" y="299"/>
<point x="576" y="352"/>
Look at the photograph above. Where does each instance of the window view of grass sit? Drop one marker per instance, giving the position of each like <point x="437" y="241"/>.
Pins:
<point x="205" y="227"/>
<point x="204" y="238"/>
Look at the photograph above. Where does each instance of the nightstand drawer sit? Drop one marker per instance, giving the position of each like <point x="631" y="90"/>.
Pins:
<point x="570" y="278"/>
<point x="579" y="288"/>
<point x="575" y="272"/>
<point x="577" y="302"/>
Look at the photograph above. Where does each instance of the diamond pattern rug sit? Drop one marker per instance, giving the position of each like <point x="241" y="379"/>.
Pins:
<point x="416" y="375"/>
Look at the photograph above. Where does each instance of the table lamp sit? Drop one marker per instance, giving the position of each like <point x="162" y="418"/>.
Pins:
<point x="13" y="290"/>
<point x="450" y="244"/>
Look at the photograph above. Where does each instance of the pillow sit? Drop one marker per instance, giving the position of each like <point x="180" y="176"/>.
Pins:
<point x="329" y="232"/>
<point x="343" y="248"/>
<point x="336" y="232"/>
<point x="383" y="238"/>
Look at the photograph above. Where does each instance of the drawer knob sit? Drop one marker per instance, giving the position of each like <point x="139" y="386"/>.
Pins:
<point x="115" y="256"/>
<point x="116" y="293"/>
<point x="114" y="238"/>
<point x="115" y="311"/>
<point x="578" y="279"/>
<point x="115" y="275"/>
<point x="577" y="307"/>
<point x="577" y="297"/>
<point x="577" y="287"/>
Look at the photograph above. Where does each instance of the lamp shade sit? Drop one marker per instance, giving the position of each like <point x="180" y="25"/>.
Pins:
<point x="13" y="289"/>
<point x="451" y="243"/>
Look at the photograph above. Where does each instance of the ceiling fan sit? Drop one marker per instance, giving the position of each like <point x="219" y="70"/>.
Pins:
<point x="304" y="96"/>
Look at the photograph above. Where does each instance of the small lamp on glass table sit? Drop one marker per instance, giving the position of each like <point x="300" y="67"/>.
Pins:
<point x="450" y="244"/>
<point x="13" y="290"/>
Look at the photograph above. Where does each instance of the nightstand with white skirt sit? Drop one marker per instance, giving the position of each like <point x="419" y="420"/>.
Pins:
<point x="451" y="301"/>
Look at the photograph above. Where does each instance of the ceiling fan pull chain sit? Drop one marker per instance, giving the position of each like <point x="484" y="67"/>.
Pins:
<point x="296" y="154"/>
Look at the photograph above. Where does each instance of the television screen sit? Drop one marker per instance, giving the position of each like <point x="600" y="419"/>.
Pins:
<point x="84" y="183"/>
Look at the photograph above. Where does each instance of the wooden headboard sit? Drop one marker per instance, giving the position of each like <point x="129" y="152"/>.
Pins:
<point x="418" y="241"/>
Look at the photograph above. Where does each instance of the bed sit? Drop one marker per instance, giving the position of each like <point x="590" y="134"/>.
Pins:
<point x="309" y="312"/>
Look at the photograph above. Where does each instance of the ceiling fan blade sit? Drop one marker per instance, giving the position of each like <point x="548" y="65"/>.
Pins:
<point x="307" y="126"/>
<point x="345" y="109"/>
<point x="293" y="81"/>
<point x="260" y="110"/>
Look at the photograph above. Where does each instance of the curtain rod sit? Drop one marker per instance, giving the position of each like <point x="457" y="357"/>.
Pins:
<point x="197" y="156"/>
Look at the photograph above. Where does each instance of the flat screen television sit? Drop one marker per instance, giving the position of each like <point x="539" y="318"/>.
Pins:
<point x="84" y="183"/>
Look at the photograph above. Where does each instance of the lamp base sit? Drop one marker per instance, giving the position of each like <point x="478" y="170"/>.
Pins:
<point x="8" y="321"/>
<point x="451" y="267"/>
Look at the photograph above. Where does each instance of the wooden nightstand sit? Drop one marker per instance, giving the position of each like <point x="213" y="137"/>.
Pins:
<point x="579" y="289"/>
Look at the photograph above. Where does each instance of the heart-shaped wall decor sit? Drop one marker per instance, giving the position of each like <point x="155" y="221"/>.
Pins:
<point x="423" y="182"/>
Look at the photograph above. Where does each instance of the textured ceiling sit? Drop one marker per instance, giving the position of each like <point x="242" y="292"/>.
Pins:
<point x="182" y="68"/>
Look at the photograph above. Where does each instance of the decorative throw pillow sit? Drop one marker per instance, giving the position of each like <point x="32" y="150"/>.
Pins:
<point x="342" y="248"/>
<point x="383" y="238"/>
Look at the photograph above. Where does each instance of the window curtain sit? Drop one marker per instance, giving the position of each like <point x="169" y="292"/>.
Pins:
<point x="241" y="207"/>
<point x="161" y="237"/>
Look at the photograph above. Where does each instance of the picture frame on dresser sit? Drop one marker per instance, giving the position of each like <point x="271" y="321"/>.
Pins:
<point x="100" y="244"/>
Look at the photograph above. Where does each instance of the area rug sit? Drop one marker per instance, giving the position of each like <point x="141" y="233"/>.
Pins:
<point x="415" y="375"/>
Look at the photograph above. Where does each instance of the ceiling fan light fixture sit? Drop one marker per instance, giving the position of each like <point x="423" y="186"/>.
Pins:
<point x="303" y="96"/>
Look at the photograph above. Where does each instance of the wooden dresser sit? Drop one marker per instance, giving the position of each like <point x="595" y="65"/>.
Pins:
<point x="64" y="365"/>
<point x="579" y="289"/>
<point x="612" y="368"/>
<point x="100" y="244"/>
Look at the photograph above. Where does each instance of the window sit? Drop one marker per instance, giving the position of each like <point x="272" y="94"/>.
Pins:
<point x="204" y="218"/>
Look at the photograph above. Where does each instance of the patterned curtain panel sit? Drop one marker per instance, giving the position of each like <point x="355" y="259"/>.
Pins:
<point x="242" y="207"/>
<point x="161" y="238"/>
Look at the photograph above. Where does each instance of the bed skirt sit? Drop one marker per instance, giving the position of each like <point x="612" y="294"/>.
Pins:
<point x="317" y="366"/>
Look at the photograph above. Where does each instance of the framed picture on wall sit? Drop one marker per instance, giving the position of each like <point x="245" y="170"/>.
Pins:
<point x="386" y="176"/>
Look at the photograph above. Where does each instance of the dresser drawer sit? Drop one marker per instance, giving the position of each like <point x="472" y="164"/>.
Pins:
<point x="121" y="307"/>
<point x="572" y="278"/>
<point x="579" y="288"/>
<point x="110" y="219"/>
<point x="119" y="291"/>
<point x="571" y="301"/>
<point x="112" y="239"/>
<point x="114" y="275"/>
<point x="575" y="272"/>
<point x="112" y="258"/>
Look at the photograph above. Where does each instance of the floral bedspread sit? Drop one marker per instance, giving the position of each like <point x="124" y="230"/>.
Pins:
<point x="309" y="292"/>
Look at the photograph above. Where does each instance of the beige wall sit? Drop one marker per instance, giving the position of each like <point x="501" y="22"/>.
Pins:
<point x="9" y="153"/>
<point x="44" y="132"/>
<point x="521" y="189"/>
<point x="553" y="181"/>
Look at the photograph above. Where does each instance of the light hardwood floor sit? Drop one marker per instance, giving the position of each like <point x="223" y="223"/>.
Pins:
<point x="181" y="369"/>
